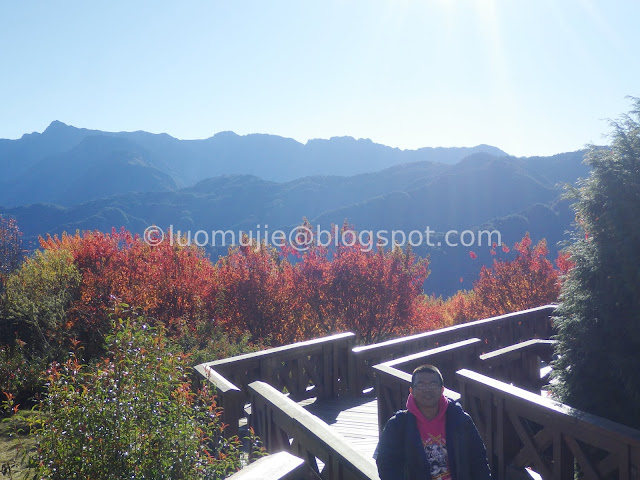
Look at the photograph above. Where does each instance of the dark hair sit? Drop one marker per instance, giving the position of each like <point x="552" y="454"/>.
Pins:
<point x="427" y="369"/>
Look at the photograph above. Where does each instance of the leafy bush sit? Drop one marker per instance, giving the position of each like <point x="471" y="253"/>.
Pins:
<point x="169" y="283"/>
<point x="35" y="302"/>
<point x="19" y="377"/>
<point x="132" y="415"/>
<point x="32" y="319"/>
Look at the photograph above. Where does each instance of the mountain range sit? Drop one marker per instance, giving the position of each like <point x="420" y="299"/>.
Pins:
<point x="68" y="179"/>
<point x="57" y="164"/>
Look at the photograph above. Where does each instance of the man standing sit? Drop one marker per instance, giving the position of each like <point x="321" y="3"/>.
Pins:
<point x="433" y="439"/>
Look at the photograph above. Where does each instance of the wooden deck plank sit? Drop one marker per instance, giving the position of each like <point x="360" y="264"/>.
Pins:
<point x="355" y="419"/>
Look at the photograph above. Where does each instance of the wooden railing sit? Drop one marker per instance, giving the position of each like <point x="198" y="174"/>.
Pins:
<point x="285" y="425"/>
<point x="518" y="364"/>
<point x="393" y="378"/>
<point x="280" y="466"/>
<point x="315" y="368"/>
<point x="495" y="332"/>
<point x="331" y="366"/>
<point x="521" y="429"/>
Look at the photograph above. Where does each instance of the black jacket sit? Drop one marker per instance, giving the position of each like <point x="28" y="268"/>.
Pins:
<point x="400" y="454"/>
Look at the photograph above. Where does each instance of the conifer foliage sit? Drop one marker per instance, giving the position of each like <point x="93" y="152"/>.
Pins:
<point x="10" y="247"/>
<point x="599" y="315"/>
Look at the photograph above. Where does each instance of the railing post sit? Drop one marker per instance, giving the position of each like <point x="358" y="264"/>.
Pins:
<point x="351" y="365"/>
<point x="261" y="421"/>
<point x="392" y="390"/>
<point x="268" y="370"/>
<point x="232" y="404"/>
<point x="327" y="373"/>
<point x="563" y="464"/>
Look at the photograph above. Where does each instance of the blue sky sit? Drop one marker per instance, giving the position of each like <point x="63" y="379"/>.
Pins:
<point x="531" y="77"/>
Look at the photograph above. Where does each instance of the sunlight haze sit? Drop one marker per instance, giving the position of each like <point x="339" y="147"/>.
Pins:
<point x="532" y="78"/>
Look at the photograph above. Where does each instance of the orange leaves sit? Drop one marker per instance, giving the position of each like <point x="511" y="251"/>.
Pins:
<point x="529" y="280"/>
<point x="372" y="293"/>
<point x="429" y="314"/>
<point x="257" y="293"/>
<point x="167" y="282"/>
<point x="320" y="291"/>
<point x="281" y="296"/>
<point x="564" y="262"/>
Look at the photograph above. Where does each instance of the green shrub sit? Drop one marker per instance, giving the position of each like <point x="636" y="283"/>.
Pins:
<point x="205" y="340"/>
<point x="35" y="302"/>
<point x="132" y="415"/>
<point x="20" y="375"/>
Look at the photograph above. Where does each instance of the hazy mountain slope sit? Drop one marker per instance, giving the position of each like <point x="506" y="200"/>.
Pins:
<point x="410" y="196"/>
<point x="97" y="167"/>
<point x="466" y="195"/>
<point x="36" y="167"/>
<point x="18" y="156"/>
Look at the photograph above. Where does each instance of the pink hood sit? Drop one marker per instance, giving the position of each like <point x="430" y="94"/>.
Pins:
<point x="425" y="426"/>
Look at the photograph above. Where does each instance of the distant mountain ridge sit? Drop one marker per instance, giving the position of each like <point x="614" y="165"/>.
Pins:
<point x="62" y="164"/>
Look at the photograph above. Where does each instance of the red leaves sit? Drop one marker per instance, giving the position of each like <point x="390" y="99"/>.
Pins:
<point x="279" y="297"/>
<point x="348" y="287"/>
<point x="564" y="262"/>
<point x="372" y="293"/>
<point x="166" y="282"/>
<point x="525" y="282"/>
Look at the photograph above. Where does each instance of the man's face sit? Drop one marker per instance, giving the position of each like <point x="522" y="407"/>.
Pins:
<point x="427" y="389"/>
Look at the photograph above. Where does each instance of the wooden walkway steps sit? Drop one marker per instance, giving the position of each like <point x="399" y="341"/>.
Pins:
<point x="354" y="418"/>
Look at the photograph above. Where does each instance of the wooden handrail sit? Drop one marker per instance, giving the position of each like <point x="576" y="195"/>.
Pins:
<point x="279" y="466"/>
<point x="523" y="429"/>
<point x="448" y="359"/>
<point x="518" y="364"/>
<point x="282" y="424"/>
<point x="228" y="397"/>
<point x="283" y="352"/>
<point x="495" y="332"/>
<point x="315" y="368"/>
<point x="393" y="378"/>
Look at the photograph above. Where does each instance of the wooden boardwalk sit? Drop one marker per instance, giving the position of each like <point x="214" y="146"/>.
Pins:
<point x="353" y="418"/>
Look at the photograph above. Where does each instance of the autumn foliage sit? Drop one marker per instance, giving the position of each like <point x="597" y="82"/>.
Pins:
<point x="527" y="281"/>
<point x="296" y="294"/>
<point x="530" y="280"/>
<point x="275" y="296"/>
<point x="370" y="292"/>
<point x="257" y="292"/>
<point x="167" y="282"/>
